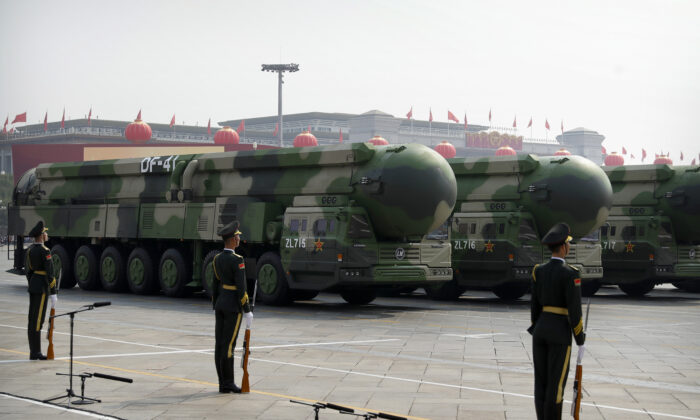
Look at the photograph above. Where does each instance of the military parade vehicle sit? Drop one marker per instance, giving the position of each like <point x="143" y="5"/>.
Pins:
<point x="345" y="218"/>
<point x="505" y="204"/>
<point x="652" y="235"/>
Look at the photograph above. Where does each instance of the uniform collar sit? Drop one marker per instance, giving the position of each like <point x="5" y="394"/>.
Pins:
<point x="560" y="259"/>
<point x="228" y="250"/>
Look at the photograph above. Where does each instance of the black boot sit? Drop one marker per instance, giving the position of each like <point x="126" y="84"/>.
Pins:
<point x="35" y="346"/>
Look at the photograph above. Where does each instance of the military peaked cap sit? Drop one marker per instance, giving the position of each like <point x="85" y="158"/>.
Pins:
<point x="38" y="229"/>
<point x="229" y="230"/>
<point x="558" y="234"/>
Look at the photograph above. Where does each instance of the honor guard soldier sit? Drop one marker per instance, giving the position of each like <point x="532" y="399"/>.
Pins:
<point x="231" y="304"/>
<point x="41" y="284"/>
<point x="555" y="311"/>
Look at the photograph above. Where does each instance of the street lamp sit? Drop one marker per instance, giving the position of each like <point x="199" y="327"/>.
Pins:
<point x="280" y="68"/>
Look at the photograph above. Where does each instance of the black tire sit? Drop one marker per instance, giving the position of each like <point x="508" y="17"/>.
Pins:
<point x="638" y="289"/>
<point x="85" y="268"/>
<point x="690" y="286"/>
<point x="359" y="296"/>
<point x="298" y="294"/>
<point x="589" y="287"/>
<point x="273" y="288"/>
<point x="173" y="274"/>
<point x="112" y="270"/>
<point x="511" y="291"/>
<point x="447" y="291"/>
<point x="140" y="275"/>
<point x="63" y="267"/>
<point x="208" y="272"/>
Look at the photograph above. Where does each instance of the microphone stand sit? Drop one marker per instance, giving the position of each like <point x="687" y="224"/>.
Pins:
<point x="69" y="392"/>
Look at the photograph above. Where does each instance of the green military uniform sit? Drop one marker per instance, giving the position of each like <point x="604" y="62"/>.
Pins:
<point x="555" y="313"/>
<point x="41" y="284"/>
<point x="230" y="301"/>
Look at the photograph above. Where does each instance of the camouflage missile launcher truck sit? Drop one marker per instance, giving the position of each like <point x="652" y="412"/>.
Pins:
<point x="506" y="204"/>
<point x="652" y="235"/>
<point x="348" y="218"/>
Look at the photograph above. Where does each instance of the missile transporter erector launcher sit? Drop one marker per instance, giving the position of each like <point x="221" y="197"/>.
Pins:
<point x="652" y="235"/>
<point x="506" y="204"/>
<point x="347" y="218"/>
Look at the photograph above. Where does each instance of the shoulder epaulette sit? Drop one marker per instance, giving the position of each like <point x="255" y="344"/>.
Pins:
<point x="534" y="278"/>
<point x="575" y="268"/>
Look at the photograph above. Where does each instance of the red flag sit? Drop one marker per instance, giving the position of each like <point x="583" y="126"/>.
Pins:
<point x="431" y="115"/>
<point x="530" y="123"/>
<point x="546" y="124"/>
<point x="644" y="155"/>
<point x="138" y="117"/>
<point x="277" y="129"/>
<point x="12" y="130"/>
<point x="172" y="121"/>
<point x="515" y="122"/>
<point x="451" y="117"/>
<point x="681" y="155"/>
<point x="602" y="149"/>
<point x="20" y="118"/>
<point x="465" y="121"/>
<point x="693" y="162"/>
<point x="63" y="119"/>
<point x="489" y="114"/>
<point x="409" y="115"/>
<point x="209" y="127"/>
<point x="241" y="127"/>
<point x="89" y="116"/>
<point x="632" y="156"/>
<point x="341" y="133"/>
<point x="46" y="124"/>
<point x="624" y="151"/>
<point x="4" y="127"/>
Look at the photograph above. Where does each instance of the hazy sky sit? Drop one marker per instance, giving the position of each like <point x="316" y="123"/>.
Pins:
<point x="627" y="69"/>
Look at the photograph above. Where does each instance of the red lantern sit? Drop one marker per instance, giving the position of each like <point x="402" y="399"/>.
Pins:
<point x="226" y="135"/>
<point x="446" y="149"/>
<point x="138" y="132"/>
<point x="613" y="159"/>
<point x="505" y="151"/>
<point x="378" y="141"/>
<point x="663" y="160"/>
<point x="305" y="139"/>
<point x="562" y="152"/>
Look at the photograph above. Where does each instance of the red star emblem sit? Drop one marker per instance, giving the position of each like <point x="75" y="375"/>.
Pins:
<point x="630" y="247"/>
<point x="488" y="246"/>
<point x="319" y="245"/>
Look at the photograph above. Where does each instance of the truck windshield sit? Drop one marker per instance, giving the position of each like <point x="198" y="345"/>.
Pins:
<point x="358" y="227"/>
<point x="592" y="237"/>
<point x="439" y="234"/>
<point x="527" y="231"/>
<point x="665" y="234"/>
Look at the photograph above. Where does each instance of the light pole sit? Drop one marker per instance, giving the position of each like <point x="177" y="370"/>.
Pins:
<point x="280" y="68"/>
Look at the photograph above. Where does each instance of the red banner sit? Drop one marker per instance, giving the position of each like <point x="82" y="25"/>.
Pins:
<point x="20" y="118"/>
<point x="494" y="140"/>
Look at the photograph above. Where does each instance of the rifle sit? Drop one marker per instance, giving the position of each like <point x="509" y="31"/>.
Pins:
<point x="245" y="384"/>
<point x="49" y="335"/>
<point x="578" y="380"/>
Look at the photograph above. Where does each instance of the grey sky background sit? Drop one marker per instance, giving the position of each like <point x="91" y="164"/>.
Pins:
<point x="627" y="69"/>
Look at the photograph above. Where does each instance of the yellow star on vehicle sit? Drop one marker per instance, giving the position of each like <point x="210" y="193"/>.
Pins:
<point x="488" y="246"/>
<point x="319" y="245"/>
<point x="630" y="247"/>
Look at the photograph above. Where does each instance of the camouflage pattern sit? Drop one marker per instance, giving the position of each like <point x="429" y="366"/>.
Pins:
<point x="401" y="193"/>
<point x="504" y="206"/>
<point x="652" y="235"/>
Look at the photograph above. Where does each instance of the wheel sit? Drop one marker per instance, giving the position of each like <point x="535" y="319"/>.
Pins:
<point x="139" y="272"/>
<point x="511" y="291"/>
<point x="298" y="294"/>
<point x="272" y="282"/>
<point x="449" y="290"/>
<point x="637" y="289"/>
<point x="692" y="286"/>
<point x="589" y="287"/>
<point x="85" y="268"/>
<point x="112" y="270"/>
<point x="62" y="267"/>
<point x="360" y="296"/>
<point x="173" y="274"/>
<point x="208" y="272"/>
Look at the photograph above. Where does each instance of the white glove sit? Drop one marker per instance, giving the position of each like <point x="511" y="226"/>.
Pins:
<point x="54" y="299"/>
<point x="248" y="320"/>
<point x="581" y="350"/>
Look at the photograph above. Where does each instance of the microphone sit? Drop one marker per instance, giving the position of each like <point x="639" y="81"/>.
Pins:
<point x="98" y="304"/>
<point x="113" y="378"/>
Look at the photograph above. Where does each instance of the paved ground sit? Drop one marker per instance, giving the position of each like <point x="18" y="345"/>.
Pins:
<point x="408" y="356"/>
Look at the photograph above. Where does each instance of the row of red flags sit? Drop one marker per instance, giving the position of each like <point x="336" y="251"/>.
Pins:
<point x="452" y="117"/>
<point x="644" y="154"/>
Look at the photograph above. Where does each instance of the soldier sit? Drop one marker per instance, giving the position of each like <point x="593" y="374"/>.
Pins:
<point x="41" y="282"/>
<point x="555" y="311"/>
<point x="230" y="302"/>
